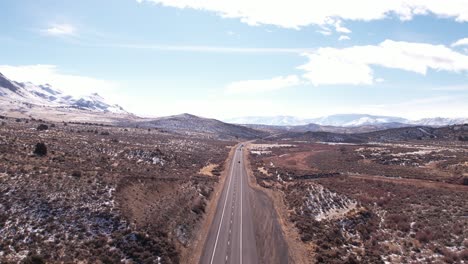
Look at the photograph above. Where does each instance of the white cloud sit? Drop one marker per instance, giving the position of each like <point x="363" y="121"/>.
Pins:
<point x="211" y="49"/>
<point x="460" y="42"/>
<point x="440" y="106"/>
<point x="299" y="13"/>
<point x="60" y="30"/>
<point x="353" y="65"/>
<point x="343" y="37"/>
<point x="74" y="85"/>
<point x="255" y="86"/>
<point x="325" y="32"/>
<point x="339" y="28"/>
<point x="462" y="87"/>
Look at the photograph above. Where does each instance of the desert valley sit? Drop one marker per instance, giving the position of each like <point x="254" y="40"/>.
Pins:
<point x="84" y="181"/>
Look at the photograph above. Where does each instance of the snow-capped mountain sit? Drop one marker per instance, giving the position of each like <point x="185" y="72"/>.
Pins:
<point x="348" y="120"/>
<point x="440" y="121"/>
<point x="268" y="120"/>
<point x="344" y="120"/>
<point x="12" y="92"/>
<point x="96" y="102"/>
<point x="352" y="120"/>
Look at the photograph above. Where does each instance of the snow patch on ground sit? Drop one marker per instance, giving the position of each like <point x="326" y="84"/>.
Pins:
<point x="324" y="204"/>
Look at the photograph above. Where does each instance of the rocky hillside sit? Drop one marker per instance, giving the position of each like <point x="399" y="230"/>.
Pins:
<point x="192" y="125"/>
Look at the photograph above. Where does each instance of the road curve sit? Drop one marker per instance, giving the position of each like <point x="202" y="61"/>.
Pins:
<point x="231" y="238"/>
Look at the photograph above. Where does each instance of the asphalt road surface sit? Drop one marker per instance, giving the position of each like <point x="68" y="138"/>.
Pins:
<point x="231" y="238"/>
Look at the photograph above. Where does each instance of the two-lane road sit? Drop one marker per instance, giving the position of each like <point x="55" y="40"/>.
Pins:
<point x="231" y="238"/>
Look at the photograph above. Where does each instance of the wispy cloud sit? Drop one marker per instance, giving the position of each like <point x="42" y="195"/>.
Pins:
<point x="213" y="49"/>
<point x="266" y="85"/>
<point x="96" y="39"/>
<point x="60" y="30"/>
<point x="341" y="29"/>
<point x="452" y="88"/>
<point x="325" y="32"/>
<point x="437" y="106"/>
<point x="343" y="37"/>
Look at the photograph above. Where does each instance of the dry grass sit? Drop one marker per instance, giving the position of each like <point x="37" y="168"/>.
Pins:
<point x="208" y="169"/>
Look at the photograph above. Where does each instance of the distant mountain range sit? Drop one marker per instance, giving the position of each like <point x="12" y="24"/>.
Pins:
<point x="346" y="120"/>
<point x="27" y="100"/>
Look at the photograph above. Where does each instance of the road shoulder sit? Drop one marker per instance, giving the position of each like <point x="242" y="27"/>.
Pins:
<point x="297" y="252"/>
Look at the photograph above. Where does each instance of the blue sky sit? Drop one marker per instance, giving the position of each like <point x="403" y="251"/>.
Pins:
<point x="223" y="59"/>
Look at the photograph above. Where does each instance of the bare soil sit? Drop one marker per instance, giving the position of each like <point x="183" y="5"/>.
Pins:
<point x="275" y="211"/>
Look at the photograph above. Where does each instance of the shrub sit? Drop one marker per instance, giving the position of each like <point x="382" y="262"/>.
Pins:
<point x="424" y="236"/>
<point x="199" y="206"/>
<point x="41" y="149"/>
<point x="105" y="133"/>
<point x="463" y="254"/>
<point x="34" y="259"/>
<point x="42" y="127"/>
<point x="398" y="222"/>
<point x="465" y="180"/>
<point x="449" y="256"/>
<point x="76" y="174"/>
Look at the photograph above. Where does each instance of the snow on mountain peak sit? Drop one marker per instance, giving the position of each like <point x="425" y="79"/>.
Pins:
<point x="46" y="95"/>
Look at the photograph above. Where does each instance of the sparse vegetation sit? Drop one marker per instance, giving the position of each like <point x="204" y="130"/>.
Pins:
<point x="40" y="149"/>
<point x="135" y="196"/>
<point x="372" y="203"/>
<point x="42" y="127"/>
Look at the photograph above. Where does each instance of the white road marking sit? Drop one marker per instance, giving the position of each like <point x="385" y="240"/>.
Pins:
<point x="240" y="249"/>
<point x="222" y="214"/>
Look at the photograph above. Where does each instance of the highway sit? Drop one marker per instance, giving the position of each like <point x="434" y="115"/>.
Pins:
<point x="231" y="238"/>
